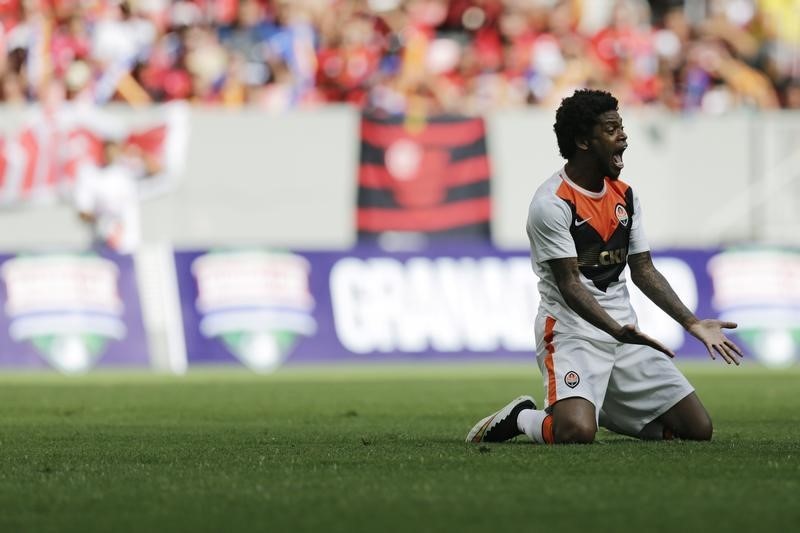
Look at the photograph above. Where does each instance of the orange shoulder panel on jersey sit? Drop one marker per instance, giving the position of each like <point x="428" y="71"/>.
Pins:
<point x="620" y="186"/>
<point x="599" y="213"/>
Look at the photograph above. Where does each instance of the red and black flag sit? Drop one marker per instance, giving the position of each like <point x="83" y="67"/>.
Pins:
<point x="431" y="178"/>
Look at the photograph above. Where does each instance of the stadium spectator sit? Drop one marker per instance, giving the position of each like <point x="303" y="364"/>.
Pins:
<point x="401" y="56"/>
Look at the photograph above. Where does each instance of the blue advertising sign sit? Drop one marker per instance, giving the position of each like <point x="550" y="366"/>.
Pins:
<point x="70" y="312"/>
<point x="265" y="307"/>
<point x="456" y="302"/>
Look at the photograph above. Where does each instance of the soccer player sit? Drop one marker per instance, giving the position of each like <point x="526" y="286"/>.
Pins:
<point x="107" y="196"/>
<point x="584" y="226"/>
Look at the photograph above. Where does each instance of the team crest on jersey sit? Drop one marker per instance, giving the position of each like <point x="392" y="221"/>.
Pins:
<point x="572" y="379"/>
<point x="622" y="214"/>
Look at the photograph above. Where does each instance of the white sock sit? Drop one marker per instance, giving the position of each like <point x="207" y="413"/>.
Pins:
<point x="530" y="423"/>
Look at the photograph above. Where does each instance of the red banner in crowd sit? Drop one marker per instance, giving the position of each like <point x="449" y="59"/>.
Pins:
<point x="430" y="178"/>
<point x="40" y="161"/>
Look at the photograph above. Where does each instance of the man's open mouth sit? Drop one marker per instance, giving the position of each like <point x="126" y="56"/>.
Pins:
<point x="616" y="158"/>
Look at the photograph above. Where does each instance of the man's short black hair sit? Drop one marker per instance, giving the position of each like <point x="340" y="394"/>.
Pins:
<point x="577" y="115"/>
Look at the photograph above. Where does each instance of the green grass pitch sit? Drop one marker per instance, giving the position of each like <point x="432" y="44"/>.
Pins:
<point x="378" y="450"/>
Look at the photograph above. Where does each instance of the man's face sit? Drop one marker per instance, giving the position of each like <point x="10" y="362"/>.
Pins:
<point x="607" y="144"/>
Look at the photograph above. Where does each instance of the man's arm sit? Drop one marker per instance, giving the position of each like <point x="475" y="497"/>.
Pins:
<point x="656" y="287"/>
<point x="653" y="284"/>
<point x="580" y="300"/>
<point x="87" y="217"/>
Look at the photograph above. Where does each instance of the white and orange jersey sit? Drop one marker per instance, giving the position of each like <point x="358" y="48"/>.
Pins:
<point x="599" y="229"/>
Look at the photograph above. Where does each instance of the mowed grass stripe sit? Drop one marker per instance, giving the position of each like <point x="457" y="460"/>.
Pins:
<point x="377" y="449"/>
<point x="352" y="372"/>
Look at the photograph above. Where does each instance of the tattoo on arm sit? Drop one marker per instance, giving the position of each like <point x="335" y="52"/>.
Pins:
<point x="578" y="298"/>
<point x="655" y="286"/>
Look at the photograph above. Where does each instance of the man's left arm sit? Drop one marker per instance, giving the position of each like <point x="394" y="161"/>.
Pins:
<point x="655" y="286"/>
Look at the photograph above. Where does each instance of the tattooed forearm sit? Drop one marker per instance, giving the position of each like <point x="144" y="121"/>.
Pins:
<point x="653" y="284"/>
<point x="579" y="299"/>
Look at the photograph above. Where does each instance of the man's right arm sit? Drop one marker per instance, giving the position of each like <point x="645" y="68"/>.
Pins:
<point x="83" y="198"/>
<point x="579" y="299"/>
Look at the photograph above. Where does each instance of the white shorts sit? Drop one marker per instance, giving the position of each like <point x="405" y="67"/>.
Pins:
<point x="631" y="383"/>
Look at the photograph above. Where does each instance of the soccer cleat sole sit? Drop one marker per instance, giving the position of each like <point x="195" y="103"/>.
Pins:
<point x="485" y="425"/>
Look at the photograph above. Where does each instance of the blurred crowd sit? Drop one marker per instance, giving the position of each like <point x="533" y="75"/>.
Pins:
<point x="403" y="56"/>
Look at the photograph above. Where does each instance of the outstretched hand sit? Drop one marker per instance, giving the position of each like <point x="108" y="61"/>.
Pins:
<point x="709" y="332"/>
<point x="630" y="335"/>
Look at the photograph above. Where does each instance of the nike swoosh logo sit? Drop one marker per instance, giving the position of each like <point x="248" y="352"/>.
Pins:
<point x="582" y="222"/>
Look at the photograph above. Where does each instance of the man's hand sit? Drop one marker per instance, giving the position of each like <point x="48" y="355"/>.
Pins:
<point x="630" y="335"/>
<point x="709" y="332"/>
